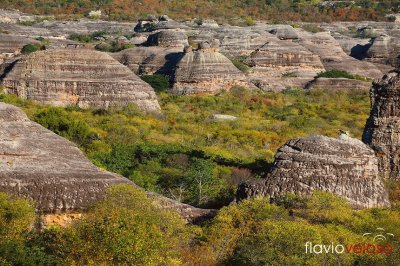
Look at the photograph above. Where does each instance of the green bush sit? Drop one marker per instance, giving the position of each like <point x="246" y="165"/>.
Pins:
<point x="158" y="82"/>
<point x="126" y="228"/>
<point x="61" y="123"/>
<point x="334" y="73"/>
<point x="30" y="48"/>
<point x="238" y="63"/>
<point x="113" y="47"/>
<point x="312" y="28"/>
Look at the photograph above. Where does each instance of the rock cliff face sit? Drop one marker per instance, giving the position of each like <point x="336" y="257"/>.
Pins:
<point x="150" y="60"/>
<point x="38" y="164"/>
<point x="333" y="56"/>
<point x="78" y="77"/>
<point x="382" y="131"/>
<point x="206" y="71"/>
<point x="283" y="63"/>
<point x="384" y="50"/>
<point x="343" y="166"/>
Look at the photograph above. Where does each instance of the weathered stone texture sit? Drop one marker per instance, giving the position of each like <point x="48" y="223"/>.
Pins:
<point x="150" y="60"/>
<point x="343" y="166"/>
<point x="206" y="71"/>
<point x="80" y="77"/>
<point x="382" y="131"/>
<point x="333" y="56"/>
<point x="168" y="38"/>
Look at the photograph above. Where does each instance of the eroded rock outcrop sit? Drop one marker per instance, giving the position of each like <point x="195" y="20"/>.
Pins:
<point x="342" y="166"/>
<point x="280" y="64"/>
<point x="150" y="60"/>
<point x="80" y="77"/>
<point x="205" y="70"/>
<point x="384" y="50"/>
<point x="40" y="165"/>
<point x="382" y="131"/>
<point x="333" y="56"/>
<point x="168" y="38"/>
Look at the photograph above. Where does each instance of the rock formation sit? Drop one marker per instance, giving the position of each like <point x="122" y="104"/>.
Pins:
<point x="384" y="50"/>
<point x="205" y="70"/>
<point x="150" y="60"/>
<point x="342" y="166"/>
<point x="333" y="56"/>
<point x="78" y="77"/>
<point x="279" y="64"/>
<point x="382" y="131"/>
<point x="168" y="38"/>
<point x="11" y="45"/>
<point x="40" y="165"/>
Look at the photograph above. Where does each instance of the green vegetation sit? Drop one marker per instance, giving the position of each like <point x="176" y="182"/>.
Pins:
<point x="159" y="82"/>
<point x="239" y="64"/>
<point x="235" y="11"/>
<point x="30" y="48"/>
<point x="172" y="152"/>
<point x="127" y="229"/>
<point x="334" y="73"/>
<point x="87" y="38"/>
<point x="123" y="229"/>
<point x="113" y="47"/>
<point x="312" y="28"/>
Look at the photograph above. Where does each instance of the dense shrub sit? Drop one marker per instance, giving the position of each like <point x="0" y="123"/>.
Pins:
<point x="159" y="151"/>
<point x="238" y="62"/>
<point x="60" y="122"/>
<point x="158" y="82"/>
<point x="334" y="73"/>
<point x="113" y="47"/>
<point x="30" y="48"/>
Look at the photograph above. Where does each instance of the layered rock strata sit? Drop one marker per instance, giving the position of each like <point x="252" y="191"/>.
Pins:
<point x="343" y="166"/>
<point x="206" y="70"/>
<point x="80" y="77"/>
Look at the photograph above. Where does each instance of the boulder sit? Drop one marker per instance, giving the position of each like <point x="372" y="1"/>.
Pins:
<point x="40" y="165"/>
<point x="205" y="70"/>
<point x="382" y="130"/>
<point x="168" y="38"/>
<point x="343" y="166"/>
<point x="223" y="117"/>
<point x="80" y="77"/>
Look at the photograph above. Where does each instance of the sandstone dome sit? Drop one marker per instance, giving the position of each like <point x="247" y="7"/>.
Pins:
<point x="343" y="166"/>
<point x="206" y="70"/>
<point x="80" y="77"/>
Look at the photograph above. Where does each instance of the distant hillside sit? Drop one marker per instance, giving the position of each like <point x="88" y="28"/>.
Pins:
<point x="222" y="10"/>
